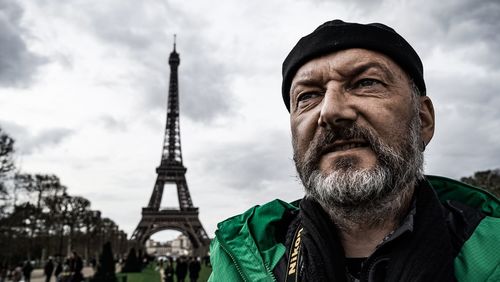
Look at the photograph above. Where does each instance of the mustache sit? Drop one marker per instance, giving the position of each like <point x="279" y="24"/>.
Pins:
<point x="324" y="142"/>
<point x="325" y="139"/>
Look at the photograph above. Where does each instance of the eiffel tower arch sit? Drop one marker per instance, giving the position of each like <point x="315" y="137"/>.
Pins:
<point x="172" y="171"/>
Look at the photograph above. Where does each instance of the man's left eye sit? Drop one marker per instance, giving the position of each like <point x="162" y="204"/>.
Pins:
<point x="367" y="82"/>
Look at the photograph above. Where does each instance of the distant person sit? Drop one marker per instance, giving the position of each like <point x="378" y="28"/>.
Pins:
<point x="76" y="266"/>
<point x="168" y="272"/>
<point x="181" y="269"/>
<point x="3" y="273"/>
<point x="59" y="269"/>
<point x="48" y="269"/>
<point x="206" y="261"/>
<point x="27" y="269"/>
<point x="159" y="264"/>
<point x="17" y="273"/>
<point x="93" y="263"/>
<point x="194" y="269"/>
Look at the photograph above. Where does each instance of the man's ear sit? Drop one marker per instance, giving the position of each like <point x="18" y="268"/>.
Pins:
<point x="427" y="119"/>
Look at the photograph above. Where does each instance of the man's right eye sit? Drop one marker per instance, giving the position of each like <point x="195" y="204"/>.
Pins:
<point x="306" y="96"/>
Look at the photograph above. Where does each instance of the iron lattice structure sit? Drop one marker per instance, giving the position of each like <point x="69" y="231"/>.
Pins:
<point x="172" y="171"/>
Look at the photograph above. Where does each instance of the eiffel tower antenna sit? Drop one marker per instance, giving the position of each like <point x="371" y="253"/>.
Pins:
<point x="172" y="171"/>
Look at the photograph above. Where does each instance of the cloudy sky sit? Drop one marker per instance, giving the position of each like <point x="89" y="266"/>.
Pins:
<point x="83" y="87"/>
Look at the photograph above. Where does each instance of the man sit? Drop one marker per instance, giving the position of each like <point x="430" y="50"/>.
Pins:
<point x="194" y="269"/>
<point x="360" y="121"/>
<point x="59" y="267"/>
<point x="181" y="269"/>
<point x="48" y="269"/>
<point x="76" y="267"/>
<point x="27" y="269"/>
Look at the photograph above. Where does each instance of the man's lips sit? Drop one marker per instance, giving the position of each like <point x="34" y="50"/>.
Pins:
<point x="344" y="145"/>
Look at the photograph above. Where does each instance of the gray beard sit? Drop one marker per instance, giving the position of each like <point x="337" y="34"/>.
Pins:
<point x="368" y="198"/>
<point x="360" y="199"/>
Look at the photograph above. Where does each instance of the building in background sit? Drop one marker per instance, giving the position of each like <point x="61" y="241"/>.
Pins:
<point x="180" y="246"/>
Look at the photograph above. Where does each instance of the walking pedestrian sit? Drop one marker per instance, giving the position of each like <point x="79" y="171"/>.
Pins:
<point x="194" y="269"/>
<point x="27" y="269"/>
<point x="48" y="269"/>
<point x="17" y="273"/>
<point x="181" y="269"/>
<point x="59" y="269"/>
<point x="169" y="270"/>
<point x="76" y="266"/>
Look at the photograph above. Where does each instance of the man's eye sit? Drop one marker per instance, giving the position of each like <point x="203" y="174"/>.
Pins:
<point x="366" y="82"/>
<point x="307" y="96"/>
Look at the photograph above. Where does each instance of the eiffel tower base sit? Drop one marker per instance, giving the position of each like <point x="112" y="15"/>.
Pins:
<point x="185" y="221"/>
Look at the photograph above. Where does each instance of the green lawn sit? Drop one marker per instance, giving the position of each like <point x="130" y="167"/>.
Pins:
<point x="204" y="273"/>
<point x="149" y="274"/>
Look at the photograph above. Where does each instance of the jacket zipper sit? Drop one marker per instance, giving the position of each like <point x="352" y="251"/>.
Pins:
<point x="234" y="261"/>
<point x="238" y="267"/>
<point x="270" y="272"/>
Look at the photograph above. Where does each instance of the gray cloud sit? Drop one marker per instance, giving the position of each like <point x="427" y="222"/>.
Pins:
<point x="472" y="26"/>
<point x="27" y="143"/>
<point x="18" y="65"/>
<point x="251" y="165"/>
<point x="47" y="138"/>
<point x="204" y="87"/>
<point x="113" y="124"/>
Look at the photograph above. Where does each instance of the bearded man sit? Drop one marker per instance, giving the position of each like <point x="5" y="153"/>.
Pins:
<point x="360" y="121"/>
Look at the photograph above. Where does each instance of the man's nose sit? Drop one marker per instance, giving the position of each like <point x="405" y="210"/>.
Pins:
<point x="337" y="109"/>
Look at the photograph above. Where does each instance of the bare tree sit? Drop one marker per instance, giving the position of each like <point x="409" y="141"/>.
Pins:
<point x="6" y="153"/>
<point x="6" y="167"/>
<point x="78" y="206"/>
<point x="488" y="179"/>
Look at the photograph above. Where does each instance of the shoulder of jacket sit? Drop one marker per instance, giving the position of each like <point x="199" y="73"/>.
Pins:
<point x="478" y="260"/>
<point x="449" y="189"/>
<point x="246" y="245"/>
<point x="259" y="214"/>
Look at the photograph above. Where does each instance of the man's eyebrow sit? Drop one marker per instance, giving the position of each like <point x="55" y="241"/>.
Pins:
<point x="357" y="70"/>
<point x="306" y="80"/>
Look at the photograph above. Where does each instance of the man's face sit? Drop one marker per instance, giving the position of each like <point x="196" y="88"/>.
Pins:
<point x="353" y="112"/>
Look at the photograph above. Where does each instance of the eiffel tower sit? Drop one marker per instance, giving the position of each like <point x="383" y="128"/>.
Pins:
<point x="172" y="171"/>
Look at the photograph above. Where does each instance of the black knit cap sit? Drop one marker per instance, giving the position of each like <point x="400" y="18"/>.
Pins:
<point x="338" y="35"/>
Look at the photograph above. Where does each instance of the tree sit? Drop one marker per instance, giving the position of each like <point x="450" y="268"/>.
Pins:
<point x="6" y="167"/>
<point x="38" y="186"/>
<point x="78" y="206"/>
<point x="6" y="153"/>
<point x="17" y="233"/>
<point x="488" y="179"/>
<point x="91" y="221"/>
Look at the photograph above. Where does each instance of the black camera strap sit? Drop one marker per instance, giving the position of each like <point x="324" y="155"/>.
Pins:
<point x="292" y="271"/>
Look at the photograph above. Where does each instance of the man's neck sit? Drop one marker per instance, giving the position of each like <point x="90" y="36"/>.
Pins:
<point x="362" y="230"/>
<point x="361" y="243"/>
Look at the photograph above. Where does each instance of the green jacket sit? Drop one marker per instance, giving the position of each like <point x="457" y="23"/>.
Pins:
<point x="244" y="248"/>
